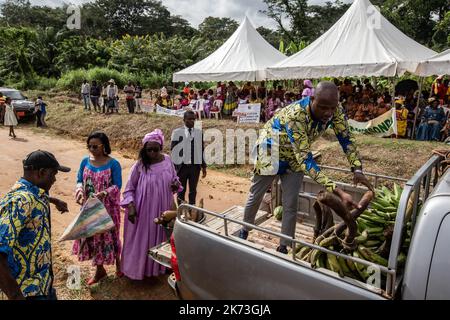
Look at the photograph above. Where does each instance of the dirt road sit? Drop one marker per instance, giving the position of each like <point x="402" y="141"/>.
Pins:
<point x="218" y="190"/>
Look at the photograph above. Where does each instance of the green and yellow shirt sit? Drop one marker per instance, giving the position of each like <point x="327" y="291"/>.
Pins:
<point x="25" y="237"/>
<point x="285" y="142"/>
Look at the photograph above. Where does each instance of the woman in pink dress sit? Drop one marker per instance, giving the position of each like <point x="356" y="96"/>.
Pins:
<point x="100" y="176"/>
<point x="149" y="192"/>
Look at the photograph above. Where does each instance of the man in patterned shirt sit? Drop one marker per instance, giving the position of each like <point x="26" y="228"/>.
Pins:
<point x="25" y="242"/>
<point x="284" y="149"/>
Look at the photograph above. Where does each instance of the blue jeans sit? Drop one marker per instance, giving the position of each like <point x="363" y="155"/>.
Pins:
<point x="429" y="132"/>
<point x="87" y="103"/>
<point x="434" y="132"/>
<point x="422" y="132"/>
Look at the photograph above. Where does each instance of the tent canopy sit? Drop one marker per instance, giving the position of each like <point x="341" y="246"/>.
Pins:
<point x="243" y="57"/>
<point x="436" y="65"/>
<point x="361" y="43"/>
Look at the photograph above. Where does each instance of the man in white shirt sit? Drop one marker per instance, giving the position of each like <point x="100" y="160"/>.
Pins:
<point x="112" y="94"/>
<point x="85" y="91"/>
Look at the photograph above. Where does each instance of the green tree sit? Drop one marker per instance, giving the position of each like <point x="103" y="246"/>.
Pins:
<point x="217" y="28"/>
<point x="93" y="22"/>
<point x="419" y="19"/>
<point x="20" y="13"/>
<point x="77" y="52"/>
<point x="298" y="21"/>
<point x="324" y="16"/>
<point x="441" y="37"/>
<point x="16" y="53"/>
<point x="295" y="12"/>
<point x="181" y="27"/>
<point x="135" y="17"/>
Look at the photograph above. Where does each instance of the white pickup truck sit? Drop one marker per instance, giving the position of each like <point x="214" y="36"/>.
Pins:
<point x="211" y="262"/>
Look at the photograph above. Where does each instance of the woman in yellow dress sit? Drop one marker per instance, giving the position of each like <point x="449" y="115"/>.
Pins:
<point x="402" y="117"/>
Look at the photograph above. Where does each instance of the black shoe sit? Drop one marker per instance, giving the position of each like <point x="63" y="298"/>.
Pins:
<point x="282" y="249"/>
<point x="243" y="234"/>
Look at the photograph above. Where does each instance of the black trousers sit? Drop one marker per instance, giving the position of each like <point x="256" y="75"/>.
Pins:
<point x="130" y="105"/>
<point x="38" y="119"/>
<point x="189" y="173"/>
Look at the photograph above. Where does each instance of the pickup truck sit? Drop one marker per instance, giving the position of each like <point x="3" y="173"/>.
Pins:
<point x="211" y="262"/>
<point x="23" y="107"/>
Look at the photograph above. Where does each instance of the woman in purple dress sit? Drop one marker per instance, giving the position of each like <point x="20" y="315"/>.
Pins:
<point x="149" y="192"/>
<point x="100" y="176"/>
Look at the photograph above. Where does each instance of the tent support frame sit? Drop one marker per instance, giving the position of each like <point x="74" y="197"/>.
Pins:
<point x="417" y="108"/>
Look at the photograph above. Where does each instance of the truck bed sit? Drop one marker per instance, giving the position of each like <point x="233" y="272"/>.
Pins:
<point x="303" y="232"/>
<point x="162" y="253"/>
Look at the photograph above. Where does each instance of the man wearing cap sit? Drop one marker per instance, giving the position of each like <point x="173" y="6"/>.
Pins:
<point x="25" y="230"/>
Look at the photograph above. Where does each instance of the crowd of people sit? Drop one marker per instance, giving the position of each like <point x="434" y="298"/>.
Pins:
<point x="157" y="183"/>
<point x="362" y="102"/>
<point x="224" y="99"/>
<point x="420" y="116"/>
<point x="105" y="98"/>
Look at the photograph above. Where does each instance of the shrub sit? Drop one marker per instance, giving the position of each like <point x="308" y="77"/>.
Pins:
<point x="33" y="83"/>
<point x="72" y="80"/>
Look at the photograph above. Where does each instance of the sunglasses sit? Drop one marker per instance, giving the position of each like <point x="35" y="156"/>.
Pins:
<point x="94" y="146"/>
<point x="156" y="149"/>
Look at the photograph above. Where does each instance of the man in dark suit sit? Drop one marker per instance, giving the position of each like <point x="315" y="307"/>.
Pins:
<point x="188" y="156"/>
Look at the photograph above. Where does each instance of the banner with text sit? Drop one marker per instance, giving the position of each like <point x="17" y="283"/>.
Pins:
<point x="248" y="113"/>
<point x="383" y="126"/>
<point x="147" y="105"/>
<point x="169" y="112"/>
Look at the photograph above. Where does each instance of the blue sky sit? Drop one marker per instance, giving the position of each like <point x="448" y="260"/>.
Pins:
<point x="196" y="10"/>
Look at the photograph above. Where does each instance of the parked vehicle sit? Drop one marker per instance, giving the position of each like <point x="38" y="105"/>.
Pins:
<point x="23" y="106"/>
<point x="213" y="263"/>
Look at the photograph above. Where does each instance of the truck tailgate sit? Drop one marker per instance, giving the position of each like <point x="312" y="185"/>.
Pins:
<point x="163" y="252"/>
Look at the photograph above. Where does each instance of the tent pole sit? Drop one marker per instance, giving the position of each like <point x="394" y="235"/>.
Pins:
<point x="417" y="108"/>
<point x="173" y="94"/>
<point x="393" y="87"/>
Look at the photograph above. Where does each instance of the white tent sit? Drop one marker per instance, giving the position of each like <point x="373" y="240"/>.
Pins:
<point x="243" y="57"/>
<point x="436" y="65"/>
<point x="361" y="43"/>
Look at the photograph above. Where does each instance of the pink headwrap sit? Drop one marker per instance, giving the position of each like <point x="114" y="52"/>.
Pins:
<point x="156" y="136"/>
<point x="308" y="83"/>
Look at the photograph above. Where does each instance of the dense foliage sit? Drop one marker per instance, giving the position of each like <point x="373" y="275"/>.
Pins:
<point x="142" y="40"/>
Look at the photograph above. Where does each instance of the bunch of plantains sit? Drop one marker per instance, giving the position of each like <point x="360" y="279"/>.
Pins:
<point x="366" y="233"/>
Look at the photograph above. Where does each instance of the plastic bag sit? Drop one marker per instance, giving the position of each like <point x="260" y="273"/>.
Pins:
<point x="92" y="219"/>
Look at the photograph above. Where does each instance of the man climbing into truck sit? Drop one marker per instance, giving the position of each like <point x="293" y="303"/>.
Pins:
<point x="284" y="149"/>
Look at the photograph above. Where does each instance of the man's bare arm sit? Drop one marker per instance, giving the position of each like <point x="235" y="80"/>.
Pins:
<point x="7" y="283"/>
